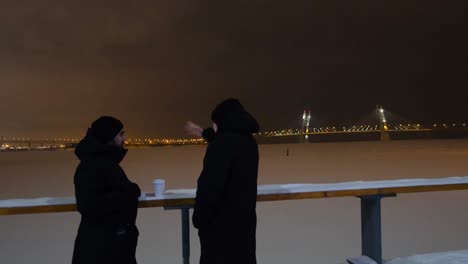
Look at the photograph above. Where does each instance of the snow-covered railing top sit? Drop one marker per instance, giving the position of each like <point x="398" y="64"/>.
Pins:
<point x="270" y="192"/>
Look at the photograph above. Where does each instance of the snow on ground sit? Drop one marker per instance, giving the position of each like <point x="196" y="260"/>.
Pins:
<point x="452" y="257"/>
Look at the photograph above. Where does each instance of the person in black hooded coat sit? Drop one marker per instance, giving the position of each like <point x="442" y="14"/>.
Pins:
<point x="225" y="204"/>
<point x="106" y="199"/>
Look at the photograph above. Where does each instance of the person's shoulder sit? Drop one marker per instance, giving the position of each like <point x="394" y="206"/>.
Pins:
<point x="227" y="138"/>
<point x="233" y="141"/>
<point x="97" y="164"/>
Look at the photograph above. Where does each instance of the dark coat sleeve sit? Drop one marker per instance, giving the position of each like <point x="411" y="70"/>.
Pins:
<point x="97" y="195"/>
<point x="212" y="181"/>
<point x="208" y="134"/>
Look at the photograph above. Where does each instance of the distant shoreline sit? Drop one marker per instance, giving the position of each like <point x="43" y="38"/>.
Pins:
<point x="290" y="139"/>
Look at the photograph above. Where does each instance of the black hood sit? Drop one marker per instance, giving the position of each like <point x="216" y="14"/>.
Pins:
<point x="90" y="147"/>
<point x="231" y="116"/>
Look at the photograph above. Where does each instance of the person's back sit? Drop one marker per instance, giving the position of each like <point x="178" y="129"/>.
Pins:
<point x="225" y="204"/>
<point x="106" y="199"/>
<point x="241" y="188"/>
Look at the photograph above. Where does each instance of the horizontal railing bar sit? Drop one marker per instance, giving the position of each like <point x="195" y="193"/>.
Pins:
<point x="177" y="202"/>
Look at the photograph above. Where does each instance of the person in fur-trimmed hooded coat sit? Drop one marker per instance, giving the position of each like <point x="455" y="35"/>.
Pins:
<point x="106" y="199"/>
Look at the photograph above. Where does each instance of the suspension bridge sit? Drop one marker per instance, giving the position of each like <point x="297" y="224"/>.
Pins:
<point x="379" y="124"/>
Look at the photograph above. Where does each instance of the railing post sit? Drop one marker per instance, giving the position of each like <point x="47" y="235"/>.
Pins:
<point x="185" y="221"/>
<point x="371" y="226"/>
<point x="186" y="235"/>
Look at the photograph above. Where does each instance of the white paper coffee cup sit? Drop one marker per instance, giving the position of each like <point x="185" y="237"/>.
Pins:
<point x="159" y="186"/>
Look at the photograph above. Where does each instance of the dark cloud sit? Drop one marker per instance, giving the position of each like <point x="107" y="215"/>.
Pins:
<point x="155" y="64"/>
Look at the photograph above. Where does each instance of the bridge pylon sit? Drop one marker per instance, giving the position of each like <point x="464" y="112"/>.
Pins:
<point x="384" y="135"/>
<point x="306" y="121"/>
<point x="306" y="124"/>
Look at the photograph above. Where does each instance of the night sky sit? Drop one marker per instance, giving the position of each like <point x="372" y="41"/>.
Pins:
<point x="156" y="64"/>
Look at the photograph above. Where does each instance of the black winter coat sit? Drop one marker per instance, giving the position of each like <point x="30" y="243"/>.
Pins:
<point x="225" y="207"/>
<point x="107" y="202"/>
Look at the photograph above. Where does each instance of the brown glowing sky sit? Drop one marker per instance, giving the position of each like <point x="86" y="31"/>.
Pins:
<point x="155" y="64"/>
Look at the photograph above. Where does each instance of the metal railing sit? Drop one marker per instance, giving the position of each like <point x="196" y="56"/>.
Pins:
<point x="369" y="193"/>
